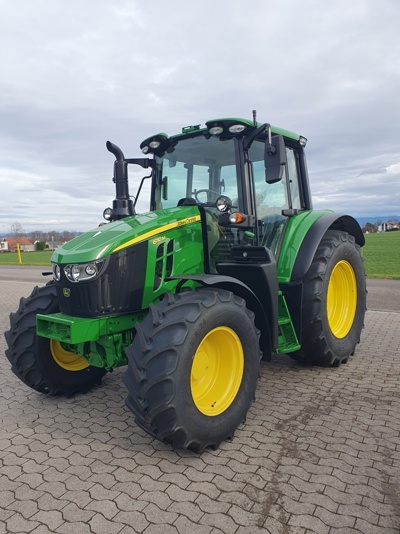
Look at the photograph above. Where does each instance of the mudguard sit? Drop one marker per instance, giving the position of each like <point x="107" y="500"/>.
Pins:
<point x="312" y="239"/>
<point x="267" y="343"/>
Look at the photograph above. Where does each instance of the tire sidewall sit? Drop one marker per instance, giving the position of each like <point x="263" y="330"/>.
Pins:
<point x="41" y="370"/>
<point x="345" y="251"/>
<point x="190" y="417"/>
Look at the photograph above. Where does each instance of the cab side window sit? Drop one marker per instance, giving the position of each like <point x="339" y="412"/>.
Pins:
<point x="293" y="177"/>
<point x="272" y="199"/>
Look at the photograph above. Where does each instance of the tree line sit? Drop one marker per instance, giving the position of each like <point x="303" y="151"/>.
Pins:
<point x="17" y="230"/>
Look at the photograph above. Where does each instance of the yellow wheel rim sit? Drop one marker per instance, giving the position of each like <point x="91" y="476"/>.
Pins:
<point x="65" y="359"/>
<point x="342" y="299"/>
<point x="217" y="371"/>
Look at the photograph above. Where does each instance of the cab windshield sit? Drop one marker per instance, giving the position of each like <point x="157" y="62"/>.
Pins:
<point x="197" y="168"/>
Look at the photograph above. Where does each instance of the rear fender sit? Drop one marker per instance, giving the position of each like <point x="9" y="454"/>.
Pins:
<point x="308" y="248"/>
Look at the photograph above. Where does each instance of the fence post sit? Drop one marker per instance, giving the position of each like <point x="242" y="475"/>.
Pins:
<point x="19" y="254"/>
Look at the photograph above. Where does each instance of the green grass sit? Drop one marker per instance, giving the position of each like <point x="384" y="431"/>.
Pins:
<point x="381" y="254"/>
<point x="28" y="258"/>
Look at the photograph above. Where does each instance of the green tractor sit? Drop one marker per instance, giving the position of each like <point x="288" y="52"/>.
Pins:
<point x="230" y="265"/>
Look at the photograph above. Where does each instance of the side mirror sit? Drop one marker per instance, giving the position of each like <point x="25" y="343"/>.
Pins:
<point x="274" y="158"/>
<point x="164" y="184"/>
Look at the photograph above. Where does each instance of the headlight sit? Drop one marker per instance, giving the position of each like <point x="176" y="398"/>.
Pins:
<point x="79" y="272"/>
<point x="223" y="203"/>
<point x="56" y="272"/>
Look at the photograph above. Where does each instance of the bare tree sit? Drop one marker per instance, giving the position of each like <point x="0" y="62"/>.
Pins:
<point x="17" y="229"/>
<point x="37" y="235"/>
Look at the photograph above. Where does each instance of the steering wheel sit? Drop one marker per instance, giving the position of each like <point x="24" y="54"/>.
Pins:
<point x="205" y="191"/>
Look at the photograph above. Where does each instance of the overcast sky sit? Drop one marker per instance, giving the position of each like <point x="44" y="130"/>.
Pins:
<point x="75" y="74"/>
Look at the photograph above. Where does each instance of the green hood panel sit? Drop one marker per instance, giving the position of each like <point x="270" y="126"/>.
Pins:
<point x="104" y="240"/>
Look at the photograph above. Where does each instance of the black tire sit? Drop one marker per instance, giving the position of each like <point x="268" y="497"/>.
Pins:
<point x="331" y="338"/>
<point x="160" y="375"/>
<point x="30" y="355"/>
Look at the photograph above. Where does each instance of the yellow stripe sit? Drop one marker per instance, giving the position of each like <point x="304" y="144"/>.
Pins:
<point x="160" y="230"/>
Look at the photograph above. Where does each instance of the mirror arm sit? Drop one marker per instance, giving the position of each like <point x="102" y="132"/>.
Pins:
<point x="270" y="148"/>
<point x="247" y="141"/>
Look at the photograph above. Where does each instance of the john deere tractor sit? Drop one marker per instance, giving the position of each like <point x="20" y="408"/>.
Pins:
<point x="231" y="264"/>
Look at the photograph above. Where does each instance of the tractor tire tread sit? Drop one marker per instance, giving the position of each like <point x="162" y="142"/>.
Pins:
<point x="159" y="337"/>
<point x="21" y="353"/>
<point x="316" y="347"/>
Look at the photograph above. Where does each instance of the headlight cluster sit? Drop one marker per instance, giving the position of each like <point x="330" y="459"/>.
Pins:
<point x="77" y="272"/>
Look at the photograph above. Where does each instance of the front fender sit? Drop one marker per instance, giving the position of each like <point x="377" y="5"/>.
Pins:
<point x="242" y="290"/>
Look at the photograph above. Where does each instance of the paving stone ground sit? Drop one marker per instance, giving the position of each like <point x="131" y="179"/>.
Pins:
<point x="319" y="453"/>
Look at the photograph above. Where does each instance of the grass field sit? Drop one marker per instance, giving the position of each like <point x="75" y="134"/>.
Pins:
<point x="381" y="254"/>
<point x="28" y="258"/>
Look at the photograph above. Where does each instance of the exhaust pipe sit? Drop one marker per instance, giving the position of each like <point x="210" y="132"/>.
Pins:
<point x="122" y="205"/>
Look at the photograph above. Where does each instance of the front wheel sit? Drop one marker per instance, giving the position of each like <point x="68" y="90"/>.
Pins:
<point x="334" y="302"/>
<point x="41" y="363"/>
<point x="193" y="368"/>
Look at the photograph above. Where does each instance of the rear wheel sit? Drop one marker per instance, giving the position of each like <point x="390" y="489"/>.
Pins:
<point x="334" y="302"/>
<point x="193" y="368"/>
<point x="41" y="363"/>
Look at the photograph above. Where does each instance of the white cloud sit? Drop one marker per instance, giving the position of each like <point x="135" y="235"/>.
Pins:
<point x="394" y="169"/>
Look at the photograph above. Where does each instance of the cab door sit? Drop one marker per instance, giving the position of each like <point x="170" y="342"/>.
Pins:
<point x="275" y="202"/>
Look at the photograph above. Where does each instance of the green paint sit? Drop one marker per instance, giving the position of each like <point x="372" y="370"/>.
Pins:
<point x="101" y="242"/>
<point x="74" y="330"/>
<point x="296" y="230"/>
<point x="185" y="256"/>
<point x="175" y="246"/>
<point x="287" y="339"/>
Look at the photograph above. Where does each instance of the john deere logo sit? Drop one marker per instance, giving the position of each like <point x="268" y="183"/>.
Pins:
<point x="66" y="292"/>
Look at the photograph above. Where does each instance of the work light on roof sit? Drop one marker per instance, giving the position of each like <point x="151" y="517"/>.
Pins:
<point x="153" y="144"/>
<point x="216" y="130"/>
<point x="302" y="141"/>
<point x="237" y="128"/>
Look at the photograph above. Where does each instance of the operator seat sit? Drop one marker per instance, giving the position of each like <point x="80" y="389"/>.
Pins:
<point x="187" y="201"/>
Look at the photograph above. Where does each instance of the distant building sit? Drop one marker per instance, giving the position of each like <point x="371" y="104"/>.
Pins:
<point x="386" y="226"/>
<point x="10" y="244"/>
<point x="3" y="245"/>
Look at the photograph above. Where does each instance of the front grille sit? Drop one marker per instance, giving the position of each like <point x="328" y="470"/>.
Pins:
<point x="118" y="289"/>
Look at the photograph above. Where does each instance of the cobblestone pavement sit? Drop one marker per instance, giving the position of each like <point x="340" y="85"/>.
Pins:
<point x="319" y="453"/>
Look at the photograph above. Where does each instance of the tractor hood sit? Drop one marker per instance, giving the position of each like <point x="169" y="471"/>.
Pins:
<point x="112" y="237"/>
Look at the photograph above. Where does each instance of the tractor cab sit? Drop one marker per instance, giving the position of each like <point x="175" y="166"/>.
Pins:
<point x="246" y="177"/>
